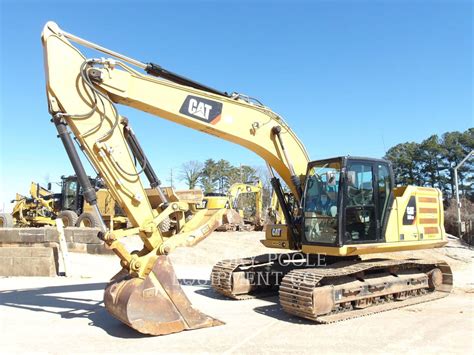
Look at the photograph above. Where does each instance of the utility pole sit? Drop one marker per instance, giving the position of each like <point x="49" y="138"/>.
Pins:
<point x="458" y="202"/>
<point x="171" y="178"/>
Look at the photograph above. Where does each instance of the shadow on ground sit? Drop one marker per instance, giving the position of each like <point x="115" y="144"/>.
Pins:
<point x="207" y="291"/>
<point x="275" y="311"/>
<point x="204" y="288"/>
<point x="54" y="300"/>
<point x="210" y="293"/>
<point x="67" y="302"/>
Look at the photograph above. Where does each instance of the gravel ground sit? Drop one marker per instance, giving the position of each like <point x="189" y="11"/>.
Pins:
<point x="66" y="315"/>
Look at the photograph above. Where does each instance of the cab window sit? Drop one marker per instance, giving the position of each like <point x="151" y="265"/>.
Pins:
<point x="321" y="202"/>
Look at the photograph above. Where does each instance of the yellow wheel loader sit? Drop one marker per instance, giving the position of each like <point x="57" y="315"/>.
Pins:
<point x="335" y="210"/>
<point x="244" y="206"/>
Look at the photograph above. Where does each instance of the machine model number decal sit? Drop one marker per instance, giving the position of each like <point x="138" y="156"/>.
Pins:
<point x="202" y="109"/>
<point x="410" y="212"/>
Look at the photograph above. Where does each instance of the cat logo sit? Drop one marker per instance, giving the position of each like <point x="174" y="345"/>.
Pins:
<point x="202" y="109"/>
<point x="276" y="232"/>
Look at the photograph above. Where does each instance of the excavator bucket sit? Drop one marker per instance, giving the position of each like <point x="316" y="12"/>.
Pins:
<point x="155" y="305"/>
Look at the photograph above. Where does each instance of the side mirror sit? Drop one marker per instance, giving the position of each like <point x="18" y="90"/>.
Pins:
<point x="49" y="186"/>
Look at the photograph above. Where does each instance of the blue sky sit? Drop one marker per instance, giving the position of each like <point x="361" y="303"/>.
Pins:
<point x="350" y="77"/>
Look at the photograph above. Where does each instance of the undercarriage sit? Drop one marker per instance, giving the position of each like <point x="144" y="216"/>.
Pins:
<point x="331" y="290"/>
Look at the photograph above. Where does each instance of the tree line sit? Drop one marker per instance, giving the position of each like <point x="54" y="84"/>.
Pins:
<point x="218" y="176"/>
<point x="431" y="162"/>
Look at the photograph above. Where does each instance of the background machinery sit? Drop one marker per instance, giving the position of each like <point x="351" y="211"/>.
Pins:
<point x="38" y="210"/>
<point x="43" y="207"/>
<point x="248" y="200"/>
<point x="244" y="203"/>
<point x="75" y="211"/>
<point x="335" y="209"/>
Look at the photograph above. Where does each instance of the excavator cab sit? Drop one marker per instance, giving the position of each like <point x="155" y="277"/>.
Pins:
<point x="345" y="201"/>
<point x="351" y="206"/>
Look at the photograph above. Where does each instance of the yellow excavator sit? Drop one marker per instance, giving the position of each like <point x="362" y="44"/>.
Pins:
<point x="335" y="210"/>
<point x="244" y="203"/>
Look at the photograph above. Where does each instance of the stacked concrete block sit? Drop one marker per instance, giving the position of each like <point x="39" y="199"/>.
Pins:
<point x="35" y="251"/>
<point x="29" y="261"/>
<point x="78" y="239"/>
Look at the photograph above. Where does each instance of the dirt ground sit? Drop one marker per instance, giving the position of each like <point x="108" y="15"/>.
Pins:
<point x="66" y="314"/>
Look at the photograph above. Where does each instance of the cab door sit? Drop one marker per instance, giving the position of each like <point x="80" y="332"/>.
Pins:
<point x="360" y="209"/>
<point x="384" y="197"/>
<point x="367" y="199"/>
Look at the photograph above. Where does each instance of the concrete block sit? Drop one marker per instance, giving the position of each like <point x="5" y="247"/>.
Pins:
<point x="90" y="248"/>
<point x="82" y="235"/>
<point x="29" y="261"/>
<point x="78" y="239"/>
<point x="50" y="234"/>
<point x="22" y="235"/>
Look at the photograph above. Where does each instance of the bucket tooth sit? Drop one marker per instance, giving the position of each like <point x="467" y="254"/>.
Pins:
<point x="156" y="305"/>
